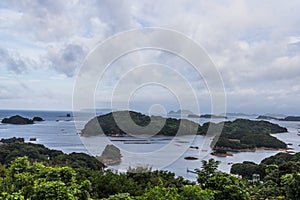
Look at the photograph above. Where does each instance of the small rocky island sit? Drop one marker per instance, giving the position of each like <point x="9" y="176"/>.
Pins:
<point x="111" y="155"/>
<point x="38" y="119"/>
<point x="17" y="119"/>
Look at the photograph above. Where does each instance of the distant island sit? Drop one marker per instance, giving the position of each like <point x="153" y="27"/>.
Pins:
<point x="291" y="118"/>
<point x="17" y="119"/>
<point x="206" y="116"/>
<point x="180" y="112"/>
<point x="239" y="114"/>
<point x="288" y="118"/>
<point x="266" y="117"/>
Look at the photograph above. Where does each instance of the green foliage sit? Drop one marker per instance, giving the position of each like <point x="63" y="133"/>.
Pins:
<point x="121" y="196"/>
<point x="109" y="183"/>
<point x="36" y="181"/>
<point x="155" y="178"/>
<point x="291" y="185"/>
<point x="267" y="190"/>
<point x="260" y="140"/>
<point x="53" y="190"/>
<point x="161" y="193"/>
<point x="281" y="158"/>
<point x="15" y="147"/>
<point x="25" y="179"/>
<point x="225" y="186"/>
<point x="13" y="196"/>
<point x="208" y="169"/>
<point x="196" y="193"/>
<point x="247" y="169"/>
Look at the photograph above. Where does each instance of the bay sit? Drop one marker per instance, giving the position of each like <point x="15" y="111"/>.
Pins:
<point x="59" y="132"/>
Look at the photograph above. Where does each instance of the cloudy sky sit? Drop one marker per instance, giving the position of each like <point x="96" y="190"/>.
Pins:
<point x="255" y="45"/>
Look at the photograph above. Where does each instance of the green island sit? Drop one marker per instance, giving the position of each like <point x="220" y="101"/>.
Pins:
<point x="30" y="175"/>
<point x="17" y="119"/>
<point x="248" y="135"/>
<point x="238" y="135"/>
<point x="109" y="126"/>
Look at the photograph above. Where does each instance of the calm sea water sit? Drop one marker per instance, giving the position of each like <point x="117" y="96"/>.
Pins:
<point x="59" y="132"/>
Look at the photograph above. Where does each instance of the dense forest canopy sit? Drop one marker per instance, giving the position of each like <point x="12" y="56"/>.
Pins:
<point x="23" y="179"/>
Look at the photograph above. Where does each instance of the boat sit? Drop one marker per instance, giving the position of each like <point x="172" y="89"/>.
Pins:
<point x="190" y="171"/>
<point x="32" y="139"/>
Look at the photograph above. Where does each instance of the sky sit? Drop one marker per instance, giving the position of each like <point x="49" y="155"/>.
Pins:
<point x="255" y="46"/>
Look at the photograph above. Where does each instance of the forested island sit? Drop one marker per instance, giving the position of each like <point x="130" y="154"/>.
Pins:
<point x="244" y="135"/>
<point x="238" y="135"/>
<point x="109" y="126"/>
<point x="34" y="176"/>
<point x="17" y="119"/>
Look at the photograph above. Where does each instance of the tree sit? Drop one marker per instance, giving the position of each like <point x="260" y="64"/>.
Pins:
<point x="224" y="185"/>
<point x="196" y="193"/>
<point x="268" y="190"/>
<point x="36" y="181"/>
<point x="161" y="193"/>
<point x="291" y="185"/>
<point x="208" y="169"/>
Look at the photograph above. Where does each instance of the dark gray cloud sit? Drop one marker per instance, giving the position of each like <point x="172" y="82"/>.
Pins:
<point x="67" y="59"/>
<point x="12" y="62"/>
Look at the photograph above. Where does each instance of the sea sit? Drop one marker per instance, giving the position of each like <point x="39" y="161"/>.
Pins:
<point x="60" y="131"/>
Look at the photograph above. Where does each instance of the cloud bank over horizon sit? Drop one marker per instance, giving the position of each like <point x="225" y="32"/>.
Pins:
<point x="255" y="46"/>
